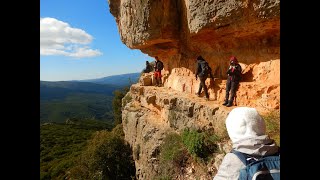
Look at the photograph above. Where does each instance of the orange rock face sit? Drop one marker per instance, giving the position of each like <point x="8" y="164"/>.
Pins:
<point x="178" y="31"/>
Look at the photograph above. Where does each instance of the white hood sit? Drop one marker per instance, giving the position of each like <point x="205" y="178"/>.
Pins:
<point x="243" y="123"/>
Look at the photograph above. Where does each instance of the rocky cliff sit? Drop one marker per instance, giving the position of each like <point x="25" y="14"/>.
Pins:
<point x="177" y="31"/>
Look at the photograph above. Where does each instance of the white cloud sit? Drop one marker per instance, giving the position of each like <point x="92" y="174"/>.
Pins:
<point x="58" y="38"/>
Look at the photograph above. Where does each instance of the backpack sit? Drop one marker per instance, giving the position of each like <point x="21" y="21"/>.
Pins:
<point x="160" y="65"/>
<point x="265" y="168"/>
<point x="205" y="69"/>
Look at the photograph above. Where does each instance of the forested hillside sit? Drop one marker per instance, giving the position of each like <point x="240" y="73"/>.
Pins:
<point x="82" y="148"/>
<point x="77" y="105"/>
<point x="62" y="100"/>
<point x="61" y="89"/>
<point x="61" y="143"/>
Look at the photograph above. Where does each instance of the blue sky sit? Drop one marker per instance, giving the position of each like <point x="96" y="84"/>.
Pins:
<point x="79" y="40"/>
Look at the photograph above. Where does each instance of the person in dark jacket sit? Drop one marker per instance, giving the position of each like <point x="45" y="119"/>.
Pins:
<point x="148" y="67"/>
<point x="157" y="71"/>
<point x="203" y="75"/>
<point x="247" y="131"/>
<point x="234" y="76"/>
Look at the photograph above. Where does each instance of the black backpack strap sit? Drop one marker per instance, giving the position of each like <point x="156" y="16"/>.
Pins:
<point x="275" y="154"/>
<point x="240" y="155"/>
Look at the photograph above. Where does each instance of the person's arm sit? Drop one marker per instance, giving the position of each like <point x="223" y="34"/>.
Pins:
<point x="197" y="70"/>
<point x="155" y="66"/>
<point x="237" y="70"/>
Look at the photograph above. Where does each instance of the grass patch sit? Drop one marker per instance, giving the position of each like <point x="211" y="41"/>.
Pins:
<point x="272" y="120"/>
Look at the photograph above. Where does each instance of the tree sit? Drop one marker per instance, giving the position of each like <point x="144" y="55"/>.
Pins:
<point x="108" y="156"/>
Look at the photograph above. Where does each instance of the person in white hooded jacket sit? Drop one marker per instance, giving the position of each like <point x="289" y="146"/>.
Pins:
<point x="247" y="131"/>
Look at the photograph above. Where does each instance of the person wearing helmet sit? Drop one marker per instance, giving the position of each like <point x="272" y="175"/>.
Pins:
<point x="234" y="76"/>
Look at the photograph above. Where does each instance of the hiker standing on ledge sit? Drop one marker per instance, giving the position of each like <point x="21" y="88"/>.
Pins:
<point x="157" y="71"/>
<point x="234" y="76"/>
<point x="203" y="71"/>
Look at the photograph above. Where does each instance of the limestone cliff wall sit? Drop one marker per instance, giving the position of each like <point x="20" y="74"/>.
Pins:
<point x="177" y="31"/>
<point x="150" y="113"/>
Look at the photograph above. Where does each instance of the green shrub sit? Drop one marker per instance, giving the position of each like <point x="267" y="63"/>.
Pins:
<point x="200" y="144"/>
<point x="194" y="142"/>
<point x="210" y="142"/>
<point x="173" y="155"/>
<point x="176" y="150"/>
<point x="172" y="148"/>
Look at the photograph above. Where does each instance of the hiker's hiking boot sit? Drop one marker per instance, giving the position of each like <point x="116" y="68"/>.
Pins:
<point x="197" y="94"/>
<point x="229" y="103"/>
<point x="225" y="103"/>
<point x="206" y="98"/>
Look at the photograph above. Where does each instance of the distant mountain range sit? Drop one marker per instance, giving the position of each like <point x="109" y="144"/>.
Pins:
<point x="105" y="85"/>
<point x="118" y="80"/>
<point x="92" y="98"/>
